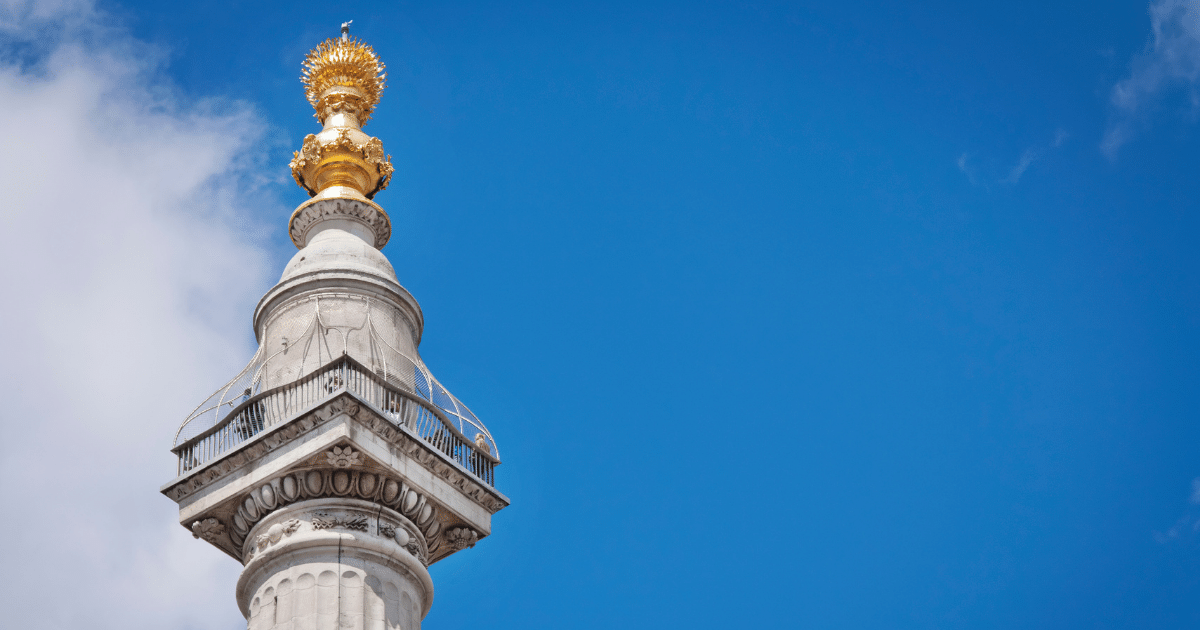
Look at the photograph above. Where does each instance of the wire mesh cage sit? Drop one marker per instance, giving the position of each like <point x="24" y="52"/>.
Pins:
<point x="305" y="338"/>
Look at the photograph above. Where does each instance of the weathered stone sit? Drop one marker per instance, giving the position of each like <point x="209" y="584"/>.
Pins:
<point x="329" y="496"/>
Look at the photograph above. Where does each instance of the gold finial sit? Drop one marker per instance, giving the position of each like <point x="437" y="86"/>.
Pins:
<point x="343" y="75"/>
<point x="343" y="80"/>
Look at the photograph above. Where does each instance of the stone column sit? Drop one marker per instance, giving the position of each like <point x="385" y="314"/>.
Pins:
<point x="345" y="468"/>
<point x="335" y="564"/>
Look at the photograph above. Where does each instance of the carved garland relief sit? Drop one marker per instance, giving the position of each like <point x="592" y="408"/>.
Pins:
<point x="351" y="520"/>
<point x="313" y="151"/>
<point x="276" y="532"/>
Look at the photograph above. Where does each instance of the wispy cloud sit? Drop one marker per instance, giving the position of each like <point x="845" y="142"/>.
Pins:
<point x="1028" y="157"/>
<point x="124" y="268"/>
<point x="1171" y="60"/>
<point x="1060" y="136"/>
<point x="1022" y="165"/>
<point x="965" y="167"/>
<point x="1187" y="525"/>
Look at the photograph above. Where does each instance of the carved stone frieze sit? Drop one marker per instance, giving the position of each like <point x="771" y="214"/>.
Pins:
<point x="319" y="483"/>
<point x="276" y="532"/>
<point x="344" y="405"/>
<point x="313" y="212"/>
<point x="353" y="519"/>
<point x="324" y="520"/>
<point x="404" y="538"/>
<point x="415" y="549"/>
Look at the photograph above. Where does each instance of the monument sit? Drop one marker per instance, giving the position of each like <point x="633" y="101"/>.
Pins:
<point x="335" y="467"/>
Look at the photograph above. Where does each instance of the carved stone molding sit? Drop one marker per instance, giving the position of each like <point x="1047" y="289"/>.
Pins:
<point x="415" y="549"/>
<point x="405" y="539"/>
<point x="343" y="457"/>
<point x="351" y="519"/>
<point x="313" y="212"/>
<point x="461" y="537"/>
<point x="419" y="450"/>
<point x="424" y="454"/>
<point x="276" y="532"/>
<point x="210" y="529"/>
<point x="324" y="520"/>
<point x="319" y="483"/>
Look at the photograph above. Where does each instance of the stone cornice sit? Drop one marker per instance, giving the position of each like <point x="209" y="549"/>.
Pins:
<point x="419" y="518"/>
<point x="280" y="435"/>
<point x="315" y="211"/>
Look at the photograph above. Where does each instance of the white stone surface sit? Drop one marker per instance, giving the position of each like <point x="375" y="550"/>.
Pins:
<point x="304" y="504"/>
<point x="341" y="276"/>
<point x="340" y="449"/>
<point x="339" y="244"/>
<point x="348" y="571"/>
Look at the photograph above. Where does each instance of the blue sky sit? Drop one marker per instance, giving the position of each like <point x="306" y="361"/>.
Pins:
<point x="850" y="315"/>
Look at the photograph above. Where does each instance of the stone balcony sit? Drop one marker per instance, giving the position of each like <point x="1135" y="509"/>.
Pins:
<point x="340" y="432"/>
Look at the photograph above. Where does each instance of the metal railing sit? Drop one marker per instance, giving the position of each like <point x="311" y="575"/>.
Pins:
<point x="312" y="350"/>
<point x="269" y="408"/>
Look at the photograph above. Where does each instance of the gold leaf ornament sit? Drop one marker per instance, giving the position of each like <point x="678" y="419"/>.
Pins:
<point x="343" y="76"/>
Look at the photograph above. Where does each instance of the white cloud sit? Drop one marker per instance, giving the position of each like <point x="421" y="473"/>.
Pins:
<point x="1033" y="154"/>
<point x="1187" y="526"/>
<point x="128" y="285"/>
<point x="1022" y="165"/>
<point x="1171" y="59"/>
<point x="1028" y="157"/>
<point x="1060" y="137"/>
<point x="964" y="167"/>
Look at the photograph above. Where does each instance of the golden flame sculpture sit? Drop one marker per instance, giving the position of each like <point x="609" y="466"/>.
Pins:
<point x="343" y="80"/>
<point x="343" y="75"/>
